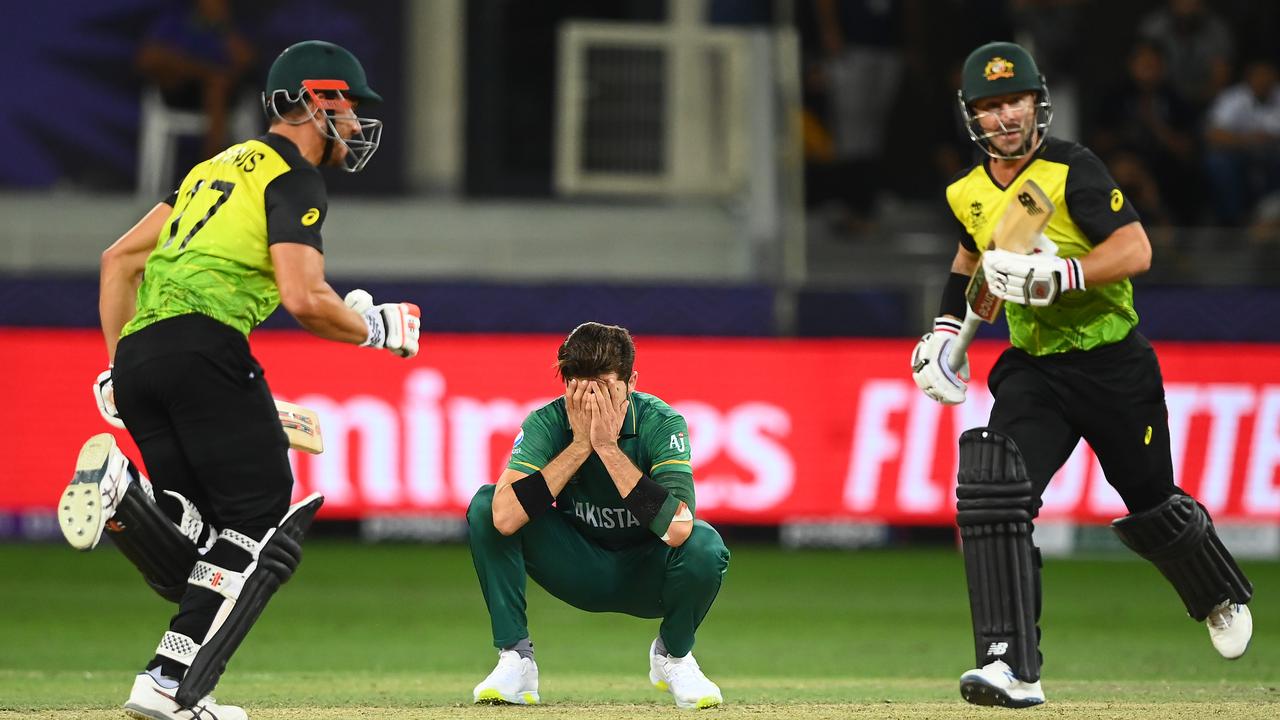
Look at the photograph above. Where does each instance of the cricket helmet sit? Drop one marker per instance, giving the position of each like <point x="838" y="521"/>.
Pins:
<point x="328" y="78"/>
<point x="1004" y="68"/>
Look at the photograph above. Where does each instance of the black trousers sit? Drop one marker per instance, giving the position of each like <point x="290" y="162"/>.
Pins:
<point x="198" y="406"/>
<point x="1112" y="396"/>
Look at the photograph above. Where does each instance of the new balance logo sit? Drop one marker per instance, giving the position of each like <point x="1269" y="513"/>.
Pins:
<point x="998" y="648"/>
<point x="1029" y="203"/>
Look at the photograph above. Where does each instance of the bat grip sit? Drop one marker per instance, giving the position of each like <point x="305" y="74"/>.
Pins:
<point x="967" y="332"/>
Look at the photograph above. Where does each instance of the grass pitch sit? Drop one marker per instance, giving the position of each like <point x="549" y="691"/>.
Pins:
<point x="400" y="632"/>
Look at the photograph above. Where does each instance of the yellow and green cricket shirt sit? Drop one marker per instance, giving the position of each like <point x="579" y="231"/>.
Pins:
<point x="213" y="256"/>
<point x="655" y="438"/>
<point x="1089" y="207"/>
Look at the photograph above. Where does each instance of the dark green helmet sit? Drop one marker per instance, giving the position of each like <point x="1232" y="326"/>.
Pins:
<point x="319" y="60"/>
<point x="328" y="82"/>
<point x="1004" y="68"/>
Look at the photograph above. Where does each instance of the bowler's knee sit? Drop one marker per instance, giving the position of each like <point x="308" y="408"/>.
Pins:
<point x="480" y="512"/>
<point x="704" y="553"/>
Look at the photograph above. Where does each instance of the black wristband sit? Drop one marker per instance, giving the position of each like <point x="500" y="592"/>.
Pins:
<point x="646" y="499"/>
<point x="533" y="494"/>
<point x="953" y="301"/>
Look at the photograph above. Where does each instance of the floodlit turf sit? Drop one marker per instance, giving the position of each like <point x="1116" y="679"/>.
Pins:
<point x="400" y="632"/>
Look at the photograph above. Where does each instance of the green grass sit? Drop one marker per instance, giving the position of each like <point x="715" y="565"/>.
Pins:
<point x="400" y="632"/>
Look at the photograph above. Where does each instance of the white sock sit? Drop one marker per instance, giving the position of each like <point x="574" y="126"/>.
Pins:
<point x="163" y="681"/>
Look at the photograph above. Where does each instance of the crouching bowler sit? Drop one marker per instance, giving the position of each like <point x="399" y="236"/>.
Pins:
<point x="597" y="506"/>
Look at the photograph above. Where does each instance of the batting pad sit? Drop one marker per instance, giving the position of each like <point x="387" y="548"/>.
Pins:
<point x="1177" y="536"/>
<point x="245" y="594"/>
<point x="162" y="551"/>
<point x="994" y="509"/>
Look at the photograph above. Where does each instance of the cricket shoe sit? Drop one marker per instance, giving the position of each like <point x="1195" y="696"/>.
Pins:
<point x="514" y="681"/>
<point x="1230" y="628"/>
<point x="995" y="684"/>
<point x="682" y="677"/>
<point x="102" y="475"/>
<point x="150" y="700"/>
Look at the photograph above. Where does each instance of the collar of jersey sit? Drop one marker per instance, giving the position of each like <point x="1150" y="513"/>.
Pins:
<point x="629" y="422"/>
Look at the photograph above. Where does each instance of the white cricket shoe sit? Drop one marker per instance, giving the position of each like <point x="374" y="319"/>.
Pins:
<point x="514" y="681"/>
<point x="102" y="476"/>
<point x="1230" y="628"/>
<point x="683" y="679"/>
<point x="995" y="684"/>
<point x="150" y="700"/>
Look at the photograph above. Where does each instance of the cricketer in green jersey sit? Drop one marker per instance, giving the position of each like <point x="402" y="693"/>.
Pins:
<point x="621" y="536"/>
<point x="1078" y="369"/>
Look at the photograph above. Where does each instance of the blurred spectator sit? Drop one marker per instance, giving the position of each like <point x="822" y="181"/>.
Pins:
<point x="1144" y="116"/>
<point x="1243" y="134"/>
<point x="1053" y="28"/>
<point x="1198" y="46"/>
<point x="194" y="54"/>
<point x="860" y="72"/>
<point x="1142" y="190"/>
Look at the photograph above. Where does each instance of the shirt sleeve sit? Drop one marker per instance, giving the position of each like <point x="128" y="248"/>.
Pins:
<point x="296" y="204"/>
<point x="962" y="234"/>
<point x="535" y="445"/>
<point x="1094" y="200"/>
<point x="669" y="467"/>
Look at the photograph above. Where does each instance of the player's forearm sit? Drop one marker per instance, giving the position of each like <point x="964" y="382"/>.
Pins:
<point x="120" y="273"/>
<point x="117" y="296"/>
<point x="508" y="513"/>
<point x="320" y="311"/>
<point x="1124" y="254"/>
<point x="562" y="467"/>
<point x="621" y="470"/>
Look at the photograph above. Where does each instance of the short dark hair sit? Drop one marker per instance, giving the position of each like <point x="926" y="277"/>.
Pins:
<point x="594" y="349"/>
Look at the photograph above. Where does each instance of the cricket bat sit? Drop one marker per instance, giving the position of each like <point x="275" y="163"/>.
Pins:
<point x="1022" y="222"/>
<point x="302" y="426"/>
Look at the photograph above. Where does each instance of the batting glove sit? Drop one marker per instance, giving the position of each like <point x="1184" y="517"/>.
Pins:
<point x="104" y="392"/>
<point x="930" y="368"/>
<point x="395" y="327"/>
<point x="358" y="300"/>
<point x="1037" y="279"/>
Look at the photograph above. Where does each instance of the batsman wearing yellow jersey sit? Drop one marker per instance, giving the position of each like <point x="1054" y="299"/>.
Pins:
<point x="213" y="530"/>
<point x="1078" y="369"/>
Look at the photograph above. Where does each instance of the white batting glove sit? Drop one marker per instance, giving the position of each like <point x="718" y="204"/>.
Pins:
<point x="1031" y="279"/>
<point x="358" y="300"/>
<point x="930" y="368"/>
<point x="395" y="327"/>
<point x="104" y="392"/>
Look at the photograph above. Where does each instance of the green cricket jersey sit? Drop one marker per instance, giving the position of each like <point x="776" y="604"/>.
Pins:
<point x="213" y="256"/>
<point x="1089" y="207"/>
<point x="655" y="438"/>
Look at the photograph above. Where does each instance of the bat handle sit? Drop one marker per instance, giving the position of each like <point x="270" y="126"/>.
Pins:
<point x="967" y="332"/>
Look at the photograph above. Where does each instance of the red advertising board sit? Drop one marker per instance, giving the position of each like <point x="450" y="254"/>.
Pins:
<point x="780" y="429"/>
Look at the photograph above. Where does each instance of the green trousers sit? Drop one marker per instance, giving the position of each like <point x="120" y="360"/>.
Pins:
<point x="650" y="580"/>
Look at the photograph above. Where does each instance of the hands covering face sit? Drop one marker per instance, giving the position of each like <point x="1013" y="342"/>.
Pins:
<point x="597" y="410"/>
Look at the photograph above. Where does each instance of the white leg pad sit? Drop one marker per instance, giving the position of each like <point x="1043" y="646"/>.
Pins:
<point x="242" y="541"/>
<point x="226" y="583"/>
<point x="179" y="647"/>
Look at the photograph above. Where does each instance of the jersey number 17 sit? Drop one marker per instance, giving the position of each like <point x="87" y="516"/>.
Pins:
<point x="222" y="187"/>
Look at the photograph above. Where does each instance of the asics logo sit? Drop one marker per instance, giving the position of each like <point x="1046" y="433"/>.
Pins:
<point x="998" y="648"/>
